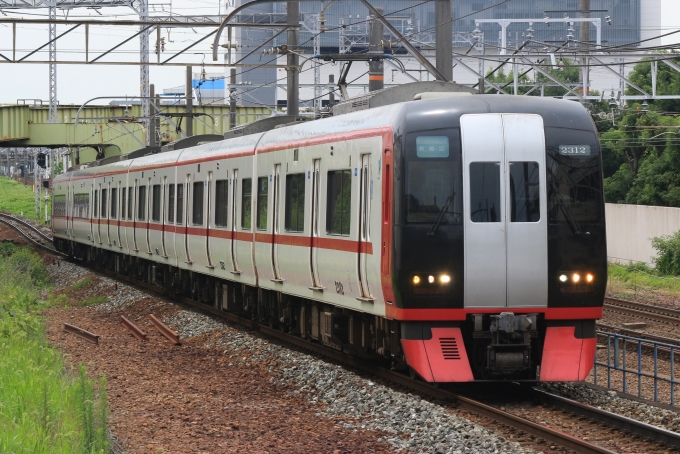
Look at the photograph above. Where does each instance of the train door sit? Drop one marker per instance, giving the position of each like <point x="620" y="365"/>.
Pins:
<point x="148" y="214"/>
<point x="187" y="197"/>
<point x="163" y="202"/>
<point x="208" y="211"/>
<point x="93" y="212"/>
<point x="275" y="228"/>
<point x="107" y="201"/>
<point x="133" y="210"/>
<point x="506" y="252"/>
<point x="364" y="226"/>
<point x="313" y="265"/>
<point x="234" y="262"/>
<point x="119" y="213"/>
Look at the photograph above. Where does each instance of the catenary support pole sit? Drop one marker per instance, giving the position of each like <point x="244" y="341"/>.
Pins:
<point x="293" y="82"/>
<point x="189" y="128"/>
<point x="232" y="98"/>
<point x="376" y="70"/>
<point x="152" y="112"/>
<point x="584" y="38"/>
<point x="444" y="53"/>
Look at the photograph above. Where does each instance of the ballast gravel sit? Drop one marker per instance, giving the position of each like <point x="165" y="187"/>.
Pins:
<point x="414" y="424"/>
<point x="609" y="401"/>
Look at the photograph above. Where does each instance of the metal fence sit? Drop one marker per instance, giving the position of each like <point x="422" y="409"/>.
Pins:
<point x="636" y="366"/>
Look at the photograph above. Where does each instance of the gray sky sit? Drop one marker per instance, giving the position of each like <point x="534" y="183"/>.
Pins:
<point x="77" y="83"/>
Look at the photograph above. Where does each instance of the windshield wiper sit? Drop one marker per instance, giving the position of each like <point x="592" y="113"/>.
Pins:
<point x="441" y="214"/>
<point x="571" y="220"/>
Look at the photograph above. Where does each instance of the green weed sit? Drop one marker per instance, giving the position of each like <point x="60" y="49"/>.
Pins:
<point x="93" y="300"/>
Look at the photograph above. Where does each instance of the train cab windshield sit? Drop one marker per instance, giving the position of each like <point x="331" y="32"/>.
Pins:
<point x="574" y="178"/>
<point x="433" y="193"/>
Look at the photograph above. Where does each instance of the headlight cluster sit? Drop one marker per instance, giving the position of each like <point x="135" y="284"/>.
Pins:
<point x="575" y="279"/>
<point x="431" y="284"/>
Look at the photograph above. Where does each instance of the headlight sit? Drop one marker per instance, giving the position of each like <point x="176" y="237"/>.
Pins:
<point x="416" y="280"/>
<point x="590" y="278"/>
<point x="563" y="278"/>
<point x="445" y="278"/>
<point x="430" y="279"/>
<point x="575" y="277"/>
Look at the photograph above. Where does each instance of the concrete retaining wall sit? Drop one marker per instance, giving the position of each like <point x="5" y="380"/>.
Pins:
<point x="630" y="229"/>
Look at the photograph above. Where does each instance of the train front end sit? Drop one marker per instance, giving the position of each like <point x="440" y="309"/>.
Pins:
<point x="499" y="239"/>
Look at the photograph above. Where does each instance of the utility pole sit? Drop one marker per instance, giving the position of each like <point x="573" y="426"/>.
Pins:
<point x="144" y="65"/>
<point x="293" y="79"/>
<point x="232" y="98"/>
<point x="331" y="94"/>
<point x="53" y="66"/>
<point x="444" y="53"/>
<point x="584" y="37"/>
<point x="152" y="120"/>
<point x="190" y="101"/>
<point x="376" y="70"/>
<point x="36" y="189"/>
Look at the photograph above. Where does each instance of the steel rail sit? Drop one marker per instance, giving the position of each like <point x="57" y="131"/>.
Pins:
<point x="10" y="222"/>
<point x="649" y="311"/>
<point x="88" y="336"/>
<point x="26" y="224"/>
<point x="641" y="335"/>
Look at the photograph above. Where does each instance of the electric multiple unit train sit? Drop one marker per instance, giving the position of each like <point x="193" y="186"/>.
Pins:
<point x="460" y="237"/>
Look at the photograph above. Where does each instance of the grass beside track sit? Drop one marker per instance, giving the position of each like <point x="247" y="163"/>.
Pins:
<point x="637" y="280"/>
<point x="16" y="198"/>
<point x="45" y="407"/>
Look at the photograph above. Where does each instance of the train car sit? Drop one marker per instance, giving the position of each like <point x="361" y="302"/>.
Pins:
<point x="461" y="238"/>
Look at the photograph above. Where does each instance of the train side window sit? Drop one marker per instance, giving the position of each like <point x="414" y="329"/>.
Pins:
<point x="104" y="193"/>
<point x="180" y="204"/>
<point x="123" y="200"/>
<point x="131" y="193"/>
<point x="156" y="203"/>
<point x="141" y="203"/>
<point x="525" y="196"/>
<point x="114" y="203"/>
<point x="295" y="202"/>
<point x="171" y="203"/>
<point x="246" y="205"/>
<point x="197" y="215"/>
<point x="339" y="202"/>
<point x="262" y="200"/>
<point x="485" y="192"/>
<point x="95" y="206"/>
<point x="221" y="202"/>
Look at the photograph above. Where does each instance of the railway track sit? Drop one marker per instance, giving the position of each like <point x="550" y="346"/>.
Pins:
<point x="648" y="311"/>
<point x="498" y="415"/>
<point x="32" y="234"/>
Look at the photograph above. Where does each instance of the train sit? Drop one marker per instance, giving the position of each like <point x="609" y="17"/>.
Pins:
<point x="456" y="236"/>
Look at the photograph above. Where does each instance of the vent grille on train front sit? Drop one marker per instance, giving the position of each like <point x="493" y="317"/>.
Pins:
<point x="449" y="348"/>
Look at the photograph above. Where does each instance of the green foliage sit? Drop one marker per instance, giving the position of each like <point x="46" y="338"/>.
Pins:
<point x="59" y="168"/>
<point x="17" y="198"/>
<point x="668" y="247"/>
<point x="638" y="280"/>
<point x="80" y="284"/>
<point x="43" y="409"/>
<point x="93" y="300"/>
<point x="7" y="249"/>
<point x="667" y="82"/>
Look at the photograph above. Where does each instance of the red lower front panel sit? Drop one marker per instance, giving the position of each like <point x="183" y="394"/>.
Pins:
<point x="440" y="359"/>
<point x="566" y="358"/>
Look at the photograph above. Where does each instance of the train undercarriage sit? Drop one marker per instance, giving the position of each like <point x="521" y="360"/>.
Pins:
<point x="502" y="346"/>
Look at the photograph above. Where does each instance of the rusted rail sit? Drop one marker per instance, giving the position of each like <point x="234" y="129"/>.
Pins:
<point x="165" y="331"/>
<point x="88" y="336"/>
<point x="134" y="329"/>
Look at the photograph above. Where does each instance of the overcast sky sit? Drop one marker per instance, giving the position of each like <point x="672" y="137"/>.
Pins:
<point x="77" y="83"/>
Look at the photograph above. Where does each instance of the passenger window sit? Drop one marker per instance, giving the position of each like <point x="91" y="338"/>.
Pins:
<point x="114" y="202"/>
<point x="485" y="192"/>
<point x="141" y="203"/>
<point x="221" y="202"/>
<point x="525" y="197"/>
<point x="262" y="195"/>
<point x="131" y="194"/>
<point x="246" y="207"/>
<point x="180" y="204"/>
<point x="295" y="202"/>
<point x="123" y="204"/>
<point x="156" y="203"/>
<point x="104" y="191"/>
<point x="197" y="218"/>
<point x="96" y="205"/>
<point x="339" y="202"/>
<point x="171" y="203"/>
